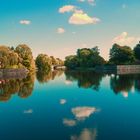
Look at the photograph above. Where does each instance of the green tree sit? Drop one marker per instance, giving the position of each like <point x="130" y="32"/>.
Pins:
<point x="85" y="58"/>
<point x="8" y="58"/>
<point x="121" y="55"/>
<point x="137" y="51"/>
<point x="43" y="62"/>
<point x="26" y="57"/>
<point x="71" y="62"/>
<point x="54" y="61"/>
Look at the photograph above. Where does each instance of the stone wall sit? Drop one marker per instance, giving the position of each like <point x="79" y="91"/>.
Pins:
<point x="13" y="73"/>
<point x="119" y="69"/>
<point x="128" y="69"/>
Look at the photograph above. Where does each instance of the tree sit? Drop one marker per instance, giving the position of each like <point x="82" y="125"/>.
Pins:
<point x="8" y="58"/>
<point x="54" y="61"/>
<point x="137" y="51"/>
<point x="43" y="62"/>
<point x="59" y="62"/>
<point x="85" y="58"/>
<point x="71" y="62"/>
<point x="121" y="55"/>
<point x="26" y="57"/>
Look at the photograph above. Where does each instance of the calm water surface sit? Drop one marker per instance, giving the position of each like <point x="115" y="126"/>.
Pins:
<point x="70" y="106"/>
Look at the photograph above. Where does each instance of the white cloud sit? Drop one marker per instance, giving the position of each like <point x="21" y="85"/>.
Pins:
<point x="61" y="30"/>
<point x="81" y="113"/>
<point x="69" y="122"/>
<point x="25" y="22"/>
<point x="66" y="8"/>
<point x="124" y="39"/>
<point x="81" y="18"/>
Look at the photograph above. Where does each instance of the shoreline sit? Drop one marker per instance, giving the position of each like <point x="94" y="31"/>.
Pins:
<point x="16" y="73"/>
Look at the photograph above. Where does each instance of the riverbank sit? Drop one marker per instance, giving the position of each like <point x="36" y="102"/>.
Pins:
<point x="13" y="73"/>
<point x="113" y="69"/>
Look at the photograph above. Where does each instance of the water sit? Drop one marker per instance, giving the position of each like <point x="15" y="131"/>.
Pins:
<point x="70" y="106"/>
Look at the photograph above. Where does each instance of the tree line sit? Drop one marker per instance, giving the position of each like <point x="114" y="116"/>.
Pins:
<point x="89" y="58"/>
<point x="22" y="57"/>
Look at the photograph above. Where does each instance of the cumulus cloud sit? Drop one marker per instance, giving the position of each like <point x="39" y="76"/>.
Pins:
<point x="86" y="134"/>
<point x="79" y="17"/>
<point x="69" y="122"/>
<point x="25" y="22"/>
<point x="81" y="113"/>
<point x="82" y="18"/>
<point x="124" y="39"/>
<point x="61" y="30"/>
<point x="66" y="8"/>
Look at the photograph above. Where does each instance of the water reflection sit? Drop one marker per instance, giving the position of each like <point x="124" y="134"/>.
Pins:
<point x="69" y="122"/>
<point x="23" y="87"/>
<point x="81" y="113"/>
<point x="44" y="77"/>
<point x="122" y="83"/>
<point x="86" y="134"/>
<point x="118" y="83"/>
<point x="85" y="79"/>
<point x="125" y="83"/>
<point x="27" y="86"/>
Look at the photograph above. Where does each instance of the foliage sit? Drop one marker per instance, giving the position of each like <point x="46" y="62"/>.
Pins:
<point x="21" y="57"/>
<point x="26" y="57"/>
<point x="43" y="62"/>
<point x="85" y="58"/>
<point x="137" y="51"/>
<point x="72" y="61"/>
<point x="8" y="57"/>
<point x="121" y="55"/>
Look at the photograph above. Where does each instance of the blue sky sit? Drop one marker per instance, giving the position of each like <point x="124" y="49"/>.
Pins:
<point x="60" y="27"/>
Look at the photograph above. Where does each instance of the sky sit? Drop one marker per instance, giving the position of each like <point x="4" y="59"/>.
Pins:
<point x="60" y="27"/>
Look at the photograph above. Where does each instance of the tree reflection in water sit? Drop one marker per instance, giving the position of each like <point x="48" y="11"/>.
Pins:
<point x="125" y="83"/>
<point x="86" y="79"/>
<point x="44" y="77"/>
<point x="137" y="83"/>
<point x="22" y="87"/>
